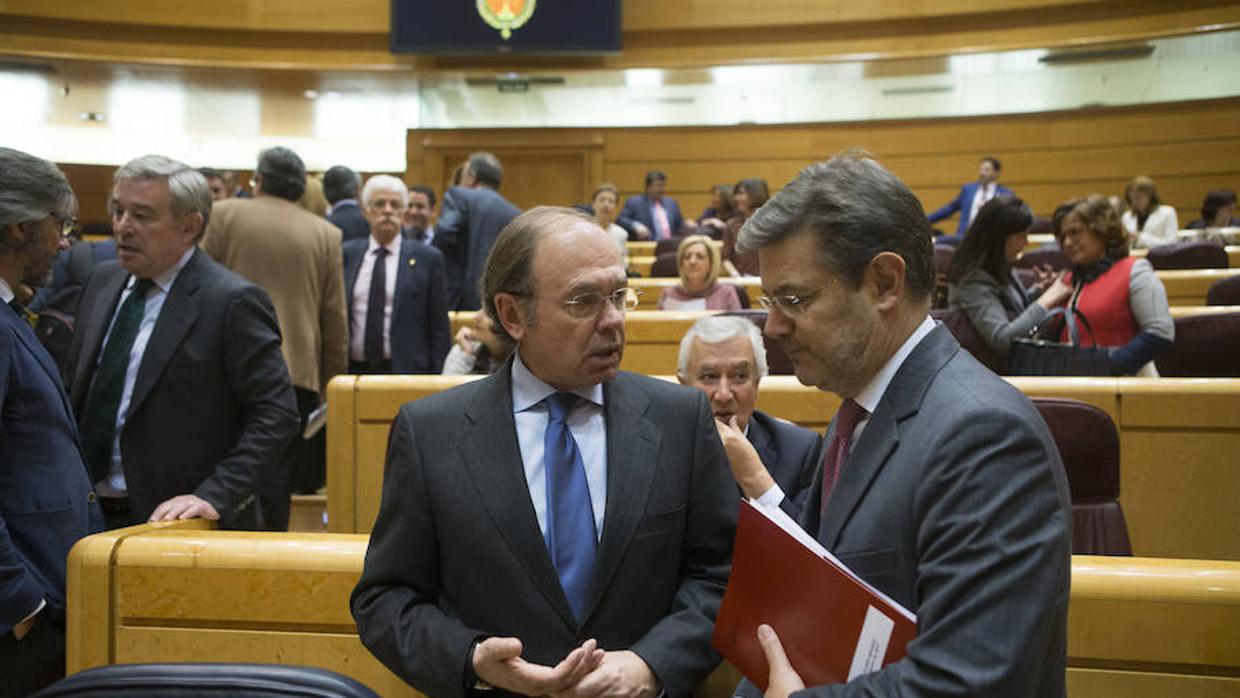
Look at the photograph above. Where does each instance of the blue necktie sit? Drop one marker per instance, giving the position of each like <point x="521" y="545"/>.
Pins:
<point x="571" y="536"/>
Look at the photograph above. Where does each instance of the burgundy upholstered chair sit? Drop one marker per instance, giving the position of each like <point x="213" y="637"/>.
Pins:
<point x="1188" y="255"/>
<point x="958" y="323"/>
<point x="665" y="265"/>
<point x="777" y="360"/>
<point x="1224" y="292"/>
<point x="1089" y="447"/>
<point x="1206" y="346"/>
<point x="667" y="245"/>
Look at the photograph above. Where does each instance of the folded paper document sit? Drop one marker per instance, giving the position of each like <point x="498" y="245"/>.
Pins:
<point x="834" y="626"/>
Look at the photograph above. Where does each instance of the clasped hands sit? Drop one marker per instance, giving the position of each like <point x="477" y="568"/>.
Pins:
<point x="585" y="673"/>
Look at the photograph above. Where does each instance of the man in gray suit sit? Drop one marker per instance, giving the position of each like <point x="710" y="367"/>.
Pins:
<point x="473" y="216"/>
<point x="560" y="526"/>
<point x="940" y="484"/>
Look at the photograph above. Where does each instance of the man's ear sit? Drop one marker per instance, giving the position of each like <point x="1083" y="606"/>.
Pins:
<point x="511" y="314"/>
<point x="191" y="225"/>
<point x="885" y="278"/>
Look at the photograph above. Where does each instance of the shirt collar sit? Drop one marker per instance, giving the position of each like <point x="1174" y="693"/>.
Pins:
<point x="165" y="280"/>
<point x="344" y="202"/>
<point x="529" y="390"/>
<point x="6" y="292"/>
<point x="873" y="391"/>
<point x="393" y="246"/>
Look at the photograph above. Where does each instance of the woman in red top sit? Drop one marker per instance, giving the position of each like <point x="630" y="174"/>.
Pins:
<point x="1121" y="297"/>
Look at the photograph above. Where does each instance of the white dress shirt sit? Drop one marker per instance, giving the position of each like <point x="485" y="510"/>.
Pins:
<point x="587" y="425"/>
<point x="985" y="192"/>
<point x="361" y="297"/>
<point x="6" y="292"/>
<point x="868" y="397"/>
<point x="113" y="485"/>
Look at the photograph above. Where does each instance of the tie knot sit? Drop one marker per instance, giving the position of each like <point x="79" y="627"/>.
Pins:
<point x="381" y="252"/>
<point x="558" y="405"/>
<point x="141" y="286"/>
<point x="848" y="417"/>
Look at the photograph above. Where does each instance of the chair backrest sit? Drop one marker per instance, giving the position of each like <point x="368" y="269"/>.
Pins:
<point x="1205" y="346"/>
<point x="1188" y="255"/>
<point x="958" y="323"/>
<point x="1088" y="444"/>
<point x="667" y="245"/>
<point x="943" y="257"/>
<point x="207" y="680"/>
<point x="1051" y="256"/>
<point x="664" y="264"/>
<point x="1224" y="292"/>
<point x="777" y="361"/>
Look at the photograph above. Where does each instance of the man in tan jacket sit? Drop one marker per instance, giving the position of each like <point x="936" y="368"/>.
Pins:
<point x="295" y="256"/>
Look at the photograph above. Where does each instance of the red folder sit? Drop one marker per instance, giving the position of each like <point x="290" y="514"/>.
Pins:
<point x="833" y="625"/>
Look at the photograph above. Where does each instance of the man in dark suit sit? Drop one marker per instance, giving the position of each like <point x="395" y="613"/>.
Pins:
<point x="972" y="197"/>
<point x="419" y="222"/>
<point x="395" y="291"/>
<point x="653" y="215"/>
<point x="558" y="508"/>
<point x="184" y="399"/>
<point x="940" y="483"/>
<point x="473" y="215"/>
<point x="772" y="460"/>
<point x="340" y="185"/>
<point x="46" y="501"/>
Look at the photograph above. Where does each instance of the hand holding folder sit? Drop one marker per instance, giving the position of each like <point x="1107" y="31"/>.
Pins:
<point x="834" y="626"/>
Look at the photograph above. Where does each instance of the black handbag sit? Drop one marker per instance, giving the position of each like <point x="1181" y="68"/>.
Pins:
<point x="1040" y="357"/>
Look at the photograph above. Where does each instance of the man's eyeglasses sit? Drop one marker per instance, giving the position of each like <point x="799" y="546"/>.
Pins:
<point x="790" y="303"/>
<point x="591" y="304"/>
<point x="66" y="224"/>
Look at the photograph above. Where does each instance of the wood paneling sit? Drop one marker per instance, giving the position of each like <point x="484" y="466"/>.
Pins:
<point x="1188" y="148"/>
<point x="327" y="34"/>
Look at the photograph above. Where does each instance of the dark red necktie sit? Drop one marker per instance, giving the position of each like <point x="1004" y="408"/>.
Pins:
<point x="836" y="454"/>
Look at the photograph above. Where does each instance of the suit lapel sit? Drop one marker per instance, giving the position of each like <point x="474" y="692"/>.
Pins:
<point x="901" y="400"/>
<point x="632" y="457"/>
<point x="762" y="442"/>
<point x="27" y="337"/>
<point x="102" y="307"/>
<point x="176" y="317"/>
<point x="492" y="457"/>
<point x="404" y="277"/>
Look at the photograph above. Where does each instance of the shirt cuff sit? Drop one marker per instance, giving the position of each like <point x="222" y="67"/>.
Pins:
<point x="38" y="609"/>
<point x="773" y="497"/>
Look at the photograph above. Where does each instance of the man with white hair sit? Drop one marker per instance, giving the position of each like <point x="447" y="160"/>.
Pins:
<point x="396" y="290"/>
<point x="772" y="459"/>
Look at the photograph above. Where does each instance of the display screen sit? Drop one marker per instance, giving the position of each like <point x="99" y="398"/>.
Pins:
<point x="482" y="27"/>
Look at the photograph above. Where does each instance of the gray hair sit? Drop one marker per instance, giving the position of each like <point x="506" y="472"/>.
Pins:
<point x="855" y="209"/>
<point x="510" y="265"/>
<point x="388" y="183"/>
<point x="486" y="169"/>
<point x="32" y="189"/>
<point x="713" y="329"/>
<point x="189" y="189"/>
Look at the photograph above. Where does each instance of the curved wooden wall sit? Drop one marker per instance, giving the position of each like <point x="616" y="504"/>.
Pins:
<point x="331" y="34"/>
<point x="1188" y="148"/>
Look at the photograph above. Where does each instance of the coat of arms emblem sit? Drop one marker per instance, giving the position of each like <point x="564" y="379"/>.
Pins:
<point x="506" y="15"/>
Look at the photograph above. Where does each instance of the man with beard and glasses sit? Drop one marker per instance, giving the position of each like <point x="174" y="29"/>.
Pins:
<point x="939" y="483"/>
<point x="46" y="499"/>
<point x="560" y="526"/>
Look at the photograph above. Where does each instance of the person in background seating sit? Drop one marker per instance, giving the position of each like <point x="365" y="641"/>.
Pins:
<point x="654" y="215"/>
<point x="724" y="357"/>
<point x="972" y="197"/>
<point x="477" y="349"/>
<point x="747" y="196"/>
<point x="1218" y="211"/>
<point x="603" y="203"/>
<point x="1149" y="222"/>
<point x="1121" y="297"/>
<point x="419" y="222"/>
<point x="699" y="288"/>
<point x="983" y="284"/>
<point x="714" y="220"/>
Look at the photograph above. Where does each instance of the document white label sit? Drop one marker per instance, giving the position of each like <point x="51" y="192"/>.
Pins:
<point x="872" y="645"/>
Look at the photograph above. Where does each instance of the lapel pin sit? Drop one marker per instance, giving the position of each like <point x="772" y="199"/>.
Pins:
<point x="412" y="261"/>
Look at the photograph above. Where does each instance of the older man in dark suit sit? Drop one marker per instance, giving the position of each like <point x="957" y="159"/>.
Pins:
<point x="177" y="378"/>
<point x="46" y="501"/>
<point x="940" y="483"/>
<point x="653" y="215"/>
<point x="560" y="526"/>
<point x="723" y="356"/>
<point x="395" y="291"/>
<point x="473" y="216"/>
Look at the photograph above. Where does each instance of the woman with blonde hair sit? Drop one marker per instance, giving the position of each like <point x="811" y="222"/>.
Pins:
<point x="699" y="287"/>
<point x="1148" y="221"/>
